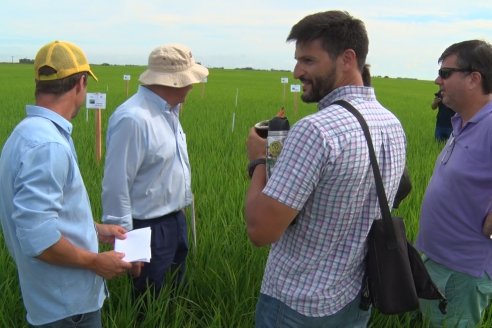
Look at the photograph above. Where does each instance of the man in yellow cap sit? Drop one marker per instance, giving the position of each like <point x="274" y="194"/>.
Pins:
<point x="147" y="172"/>
<point x="44" y="207"/>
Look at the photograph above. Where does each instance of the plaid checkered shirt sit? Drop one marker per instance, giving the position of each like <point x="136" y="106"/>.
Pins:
<point x="324" y="172"/>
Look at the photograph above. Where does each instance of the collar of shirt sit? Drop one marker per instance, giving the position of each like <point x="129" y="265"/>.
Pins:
<point x="60" y="121"/>
<point x="347" y="92"/>
<point x="158" y="100"/>
<point x="457" y="121"/>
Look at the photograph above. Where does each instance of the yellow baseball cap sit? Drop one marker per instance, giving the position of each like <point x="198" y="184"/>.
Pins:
<point x="64" y="57"/>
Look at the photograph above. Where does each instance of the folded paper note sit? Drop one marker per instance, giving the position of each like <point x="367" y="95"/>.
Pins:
<point x="136" y="246"/>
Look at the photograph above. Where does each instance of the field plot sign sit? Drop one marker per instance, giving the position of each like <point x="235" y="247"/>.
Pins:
<point x="235" y="108"/>
<point x="97" y="101"/>
<point x="284" y="81"/>
<point x="127" y="79"/>
<point x="203" y="85"/>
<point x="295" y="89"/>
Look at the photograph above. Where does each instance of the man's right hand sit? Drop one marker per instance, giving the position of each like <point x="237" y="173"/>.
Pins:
<point x="110" y="264"/>
<point x="487" y="226"/>
<point x="435" y="102"/>
<point x="255" y="145"/>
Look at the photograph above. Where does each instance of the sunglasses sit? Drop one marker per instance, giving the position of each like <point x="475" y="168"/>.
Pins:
<point x="446" y="72"/>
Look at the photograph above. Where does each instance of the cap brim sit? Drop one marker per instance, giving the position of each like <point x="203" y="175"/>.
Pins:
<point x="92" y="74"/>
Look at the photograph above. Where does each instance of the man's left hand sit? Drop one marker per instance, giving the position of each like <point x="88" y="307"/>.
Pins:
<point x="107" y="233"/>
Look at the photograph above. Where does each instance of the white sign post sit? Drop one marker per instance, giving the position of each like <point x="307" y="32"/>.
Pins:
<point x="284" y="81"/>
<point x="97" y="101"/>
<point x="295" y="89"/>
<point x="127" y="79"/>
<point x="203" y="85"/>
<point x="234" y="113"/>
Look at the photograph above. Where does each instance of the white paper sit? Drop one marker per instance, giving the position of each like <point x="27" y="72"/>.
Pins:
<point x="136" y="246"/>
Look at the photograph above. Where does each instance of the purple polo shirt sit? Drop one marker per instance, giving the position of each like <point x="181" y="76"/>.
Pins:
<point x="459" y="197"/>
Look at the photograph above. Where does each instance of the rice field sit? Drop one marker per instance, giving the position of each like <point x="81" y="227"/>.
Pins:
<point x="224" y="270"/>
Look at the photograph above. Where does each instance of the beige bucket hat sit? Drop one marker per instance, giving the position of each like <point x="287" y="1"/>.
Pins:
<point x="174" y="66"/>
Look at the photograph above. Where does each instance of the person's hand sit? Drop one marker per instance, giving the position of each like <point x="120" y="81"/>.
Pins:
<point x="255" y="145"/>
<point x="110" y="264"/>
<point x="136" y="269"/>
<point x="487" y="226"/>
<point x="107" y="233"/>
<point x="435" y="102"/>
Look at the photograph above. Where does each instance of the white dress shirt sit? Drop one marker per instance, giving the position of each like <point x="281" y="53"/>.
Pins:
<point x="147" y="171"/>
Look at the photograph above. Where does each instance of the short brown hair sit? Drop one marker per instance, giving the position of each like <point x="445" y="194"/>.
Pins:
<point x="57" y="87"/>
<point x="475" y="55"/>
<point x="337" y="30"/>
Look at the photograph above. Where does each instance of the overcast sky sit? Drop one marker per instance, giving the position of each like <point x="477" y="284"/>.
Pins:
<point x="405" y="37"/>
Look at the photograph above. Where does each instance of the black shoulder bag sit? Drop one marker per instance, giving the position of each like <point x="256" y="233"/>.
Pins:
<point x="395" y="274"/>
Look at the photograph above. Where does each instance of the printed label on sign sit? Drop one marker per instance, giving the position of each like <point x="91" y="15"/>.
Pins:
<point x="127" y="77"/>
<point x="295" y="88"/>
<point x="95" y="101"/>
<point x="284" y="80"/>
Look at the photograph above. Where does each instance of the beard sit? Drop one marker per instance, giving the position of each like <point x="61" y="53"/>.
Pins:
<point x="320" y="86"/>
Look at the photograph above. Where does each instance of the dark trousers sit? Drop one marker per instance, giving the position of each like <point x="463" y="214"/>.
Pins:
<point x="169" y="248"/>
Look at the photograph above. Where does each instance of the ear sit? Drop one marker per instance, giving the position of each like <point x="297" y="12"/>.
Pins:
<point x="349" y="57"/>
<point x="475" y="79"/>
<point x="81" y="84"/>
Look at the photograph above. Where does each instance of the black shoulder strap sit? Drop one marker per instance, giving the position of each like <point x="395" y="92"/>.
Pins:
<point x="383" y="201"/>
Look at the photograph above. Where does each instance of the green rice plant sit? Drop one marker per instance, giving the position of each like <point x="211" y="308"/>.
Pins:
<point x="11" y="299"/>
<point x="224" y="271"/>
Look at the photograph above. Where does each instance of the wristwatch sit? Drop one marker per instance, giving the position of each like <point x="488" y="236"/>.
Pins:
<point x="253" y="164"/>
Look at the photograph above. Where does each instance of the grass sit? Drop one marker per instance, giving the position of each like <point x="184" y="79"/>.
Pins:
<point x="224" y="271"/>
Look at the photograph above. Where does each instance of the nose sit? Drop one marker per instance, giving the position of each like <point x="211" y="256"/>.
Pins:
<point x="297" y="71"/>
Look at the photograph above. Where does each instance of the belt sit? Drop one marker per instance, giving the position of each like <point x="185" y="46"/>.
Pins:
<point x="160" y="218"/>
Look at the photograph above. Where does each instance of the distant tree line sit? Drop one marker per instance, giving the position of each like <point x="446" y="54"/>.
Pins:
<point x="31" y="61"/>
<point x="26" y="61"/>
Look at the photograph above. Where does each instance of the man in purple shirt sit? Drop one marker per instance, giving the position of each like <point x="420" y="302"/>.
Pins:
<point x="456" y="218"/>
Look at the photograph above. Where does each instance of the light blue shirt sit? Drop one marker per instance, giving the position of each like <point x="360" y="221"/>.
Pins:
<point x="324" y="172"/>
<point x="43" y="197"/>
<point x="147" y="170"/>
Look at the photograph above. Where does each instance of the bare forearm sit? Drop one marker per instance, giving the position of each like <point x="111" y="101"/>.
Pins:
<point x="107" y="264"/>
<point x="258" y="182"/>
<point x="266" y="218"/>
<point x="64" y="253"/>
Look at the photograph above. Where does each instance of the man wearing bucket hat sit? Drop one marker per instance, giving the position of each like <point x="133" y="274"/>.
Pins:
<point x="147" y="172"/>
<point x="44" y="207"/>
